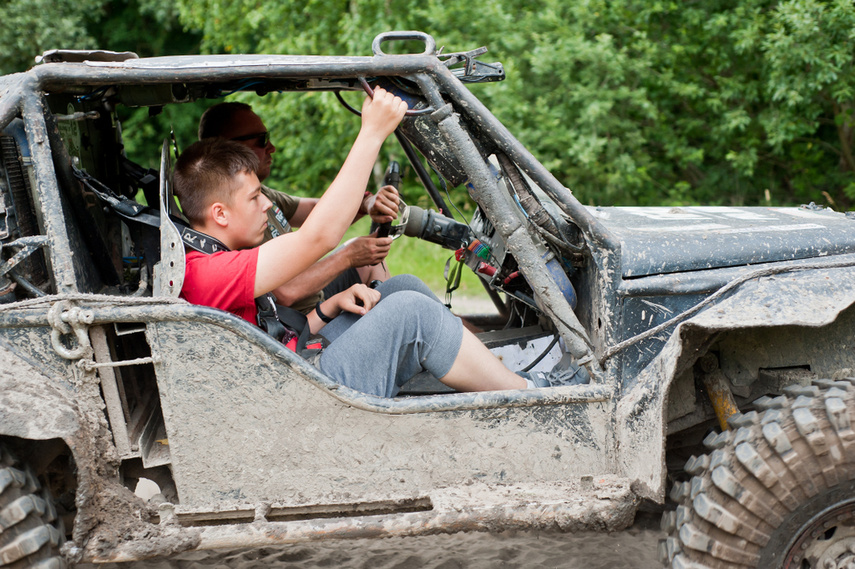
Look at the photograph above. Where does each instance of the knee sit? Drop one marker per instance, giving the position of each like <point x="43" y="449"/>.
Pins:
<point x="404" y="283"/>
<point x="409" y="300"/>
<point x="410" y="306"/>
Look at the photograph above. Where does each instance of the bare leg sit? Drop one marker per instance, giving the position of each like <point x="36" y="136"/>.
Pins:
<point x="477" y="369"/>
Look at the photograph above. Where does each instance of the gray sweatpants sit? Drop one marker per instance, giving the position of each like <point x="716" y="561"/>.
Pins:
<point x="407" y="332"/>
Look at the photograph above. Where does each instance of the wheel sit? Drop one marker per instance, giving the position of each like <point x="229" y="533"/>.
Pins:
<point x="29" y="537"/>
<point x="777" y="490"/>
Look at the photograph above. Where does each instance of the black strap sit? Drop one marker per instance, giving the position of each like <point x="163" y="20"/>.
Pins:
<point x="125" y="207"/>
<point x="199" y="241"/>
<point x="281" y="322"/>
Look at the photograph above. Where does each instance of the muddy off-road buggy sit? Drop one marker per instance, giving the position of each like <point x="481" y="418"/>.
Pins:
<point x="719" y="341"/>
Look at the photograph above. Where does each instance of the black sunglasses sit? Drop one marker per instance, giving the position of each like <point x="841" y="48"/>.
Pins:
<point x="262" y="139"/>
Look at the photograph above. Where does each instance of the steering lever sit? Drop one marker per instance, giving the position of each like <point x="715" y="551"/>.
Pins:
<point x="410" y="112"/>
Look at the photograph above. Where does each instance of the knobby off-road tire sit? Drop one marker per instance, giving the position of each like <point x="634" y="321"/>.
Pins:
<point x="29" y="537"/>
<point x="777" y="491"/>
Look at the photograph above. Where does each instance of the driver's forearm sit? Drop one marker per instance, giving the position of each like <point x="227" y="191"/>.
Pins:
<point x="306" y="205"/>
<point x="313" y="279"/>
<point x="304" y="208"/>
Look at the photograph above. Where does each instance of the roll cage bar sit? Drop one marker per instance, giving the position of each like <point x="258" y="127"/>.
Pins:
<point x="184" y="78"/>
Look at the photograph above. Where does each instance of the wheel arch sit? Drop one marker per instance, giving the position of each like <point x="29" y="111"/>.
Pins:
<point x="803" y="300"/>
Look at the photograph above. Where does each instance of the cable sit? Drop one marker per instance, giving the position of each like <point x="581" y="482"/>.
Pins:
<point x="241" y="87"/>
<point x="543" y="355"/>
<point x="610" y="352"/>
<point x="96" y="93"/>
<point x="448" y="195"/>
<point x="346" y="105"/>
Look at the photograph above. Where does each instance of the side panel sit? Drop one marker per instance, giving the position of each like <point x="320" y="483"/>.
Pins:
<point x="32" y="405"/>
<point x="246" y="426"/>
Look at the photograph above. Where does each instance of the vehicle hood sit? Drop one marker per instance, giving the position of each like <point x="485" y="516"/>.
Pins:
<point x="659" y="240"/>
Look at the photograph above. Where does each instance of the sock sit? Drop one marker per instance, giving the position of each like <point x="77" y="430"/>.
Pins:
<point x="527" y="377"/>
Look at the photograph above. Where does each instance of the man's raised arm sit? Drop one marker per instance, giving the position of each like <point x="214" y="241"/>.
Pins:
<point x="332" y="215"/>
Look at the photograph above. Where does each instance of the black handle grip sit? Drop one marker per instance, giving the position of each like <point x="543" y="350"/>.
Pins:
<point x="391" y="178"/>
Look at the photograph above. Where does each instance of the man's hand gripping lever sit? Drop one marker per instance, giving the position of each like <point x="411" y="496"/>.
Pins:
<point x="391" y="178"/>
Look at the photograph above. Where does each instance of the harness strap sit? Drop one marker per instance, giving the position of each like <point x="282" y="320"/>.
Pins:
<point x="281" y="322"/>
<point x="287" y="325"/>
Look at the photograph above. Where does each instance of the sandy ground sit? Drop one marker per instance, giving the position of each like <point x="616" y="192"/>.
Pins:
<point x="634" y="548"/>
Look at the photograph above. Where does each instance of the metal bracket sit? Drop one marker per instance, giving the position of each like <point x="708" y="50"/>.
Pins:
<point x="474" y="71"/>
<point x="29" y="245"/>
<point x="169" y="272"/>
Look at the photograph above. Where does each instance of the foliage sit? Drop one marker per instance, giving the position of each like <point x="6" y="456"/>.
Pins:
<point x="146" y="27"/>
<point x="627" y="101"/>
<point x="31" y="27"/>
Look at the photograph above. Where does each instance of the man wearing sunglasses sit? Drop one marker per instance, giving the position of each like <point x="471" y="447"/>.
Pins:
<point x="358" y="261"/>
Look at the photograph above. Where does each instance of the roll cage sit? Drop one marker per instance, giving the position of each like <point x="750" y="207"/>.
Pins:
<point x="459" y="125"/>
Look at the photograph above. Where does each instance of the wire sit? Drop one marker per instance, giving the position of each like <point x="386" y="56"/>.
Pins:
<point x="538" y="359"/>
<point x="447" y="194"/>
<point x="346" y="105"/>
<point x="512" y="314"/>
<point x="240" y="87"/>
<point x="96" y="93"/>
<point x="610" y="352"/>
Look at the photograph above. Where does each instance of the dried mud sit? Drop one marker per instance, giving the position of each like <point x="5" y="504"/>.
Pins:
<point x="634" y="548"/>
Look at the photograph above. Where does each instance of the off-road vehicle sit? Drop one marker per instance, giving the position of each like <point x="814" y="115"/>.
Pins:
<point x="691" y="321"/>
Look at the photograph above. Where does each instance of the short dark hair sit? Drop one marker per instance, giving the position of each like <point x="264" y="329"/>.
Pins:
<point x="216" y="119"/>
<point x="204" y="171"/>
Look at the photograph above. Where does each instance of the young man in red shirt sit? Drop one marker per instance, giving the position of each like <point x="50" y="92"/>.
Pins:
<point x="358" y="260"/>
<point x="377" y="339"/>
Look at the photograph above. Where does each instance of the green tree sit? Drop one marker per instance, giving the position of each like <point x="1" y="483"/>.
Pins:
<point x="31" y="27"/>
<point x="809" y="52"/>
<point x="627" y="101"/>
<point x="146" y="27"/>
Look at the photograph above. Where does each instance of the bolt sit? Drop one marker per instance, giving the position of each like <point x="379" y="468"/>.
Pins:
<point x="587" y="483"/>
<point x="708" y="363"/>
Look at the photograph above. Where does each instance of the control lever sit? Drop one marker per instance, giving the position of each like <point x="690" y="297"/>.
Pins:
<point x="391" y="178"/>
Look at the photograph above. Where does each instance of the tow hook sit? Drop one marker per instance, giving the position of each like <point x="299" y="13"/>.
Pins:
<point x="65" y="319"/>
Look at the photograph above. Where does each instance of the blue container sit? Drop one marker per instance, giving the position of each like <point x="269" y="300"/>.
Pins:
<point x="555" y="269"/>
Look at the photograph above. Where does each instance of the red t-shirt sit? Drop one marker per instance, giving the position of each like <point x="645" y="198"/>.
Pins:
<point x="224" y="280"/>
